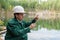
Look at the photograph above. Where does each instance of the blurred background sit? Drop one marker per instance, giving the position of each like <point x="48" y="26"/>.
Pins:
<point x="48" y="10"/>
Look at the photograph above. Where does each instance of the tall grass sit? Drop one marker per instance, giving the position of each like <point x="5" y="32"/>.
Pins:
<point x="50" y="23"/>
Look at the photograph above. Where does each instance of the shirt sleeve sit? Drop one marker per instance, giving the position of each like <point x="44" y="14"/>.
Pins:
<point x="29" y="23"/>
<point x="17" y="31"/>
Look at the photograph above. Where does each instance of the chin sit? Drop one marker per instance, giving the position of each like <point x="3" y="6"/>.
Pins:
<point x="20" y="19"/>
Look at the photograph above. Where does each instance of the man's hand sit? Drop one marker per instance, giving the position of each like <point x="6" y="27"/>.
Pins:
<point x="32" y="25"/>
<point x="36" y="18"/>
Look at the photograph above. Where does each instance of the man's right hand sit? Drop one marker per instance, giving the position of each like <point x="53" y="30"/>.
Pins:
<point x="32" y="25"/>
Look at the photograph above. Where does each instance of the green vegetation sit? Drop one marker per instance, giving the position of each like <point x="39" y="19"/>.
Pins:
<point x="29" y="5"/>
<point x="1" y="23"/>
<point x="50" y="24"/>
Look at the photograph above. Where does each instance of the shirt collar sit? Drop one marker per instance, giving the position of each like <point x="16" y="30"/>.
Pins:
<point x="19" y="21"/>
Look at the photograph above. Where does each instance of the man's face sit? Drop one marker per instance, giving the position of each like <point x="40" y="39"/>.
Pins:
<point x="19" y="16"/>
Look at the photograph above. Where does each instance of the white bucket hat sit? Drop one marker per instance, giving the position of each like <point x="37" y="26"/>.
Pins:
<point x="18" y="9"/>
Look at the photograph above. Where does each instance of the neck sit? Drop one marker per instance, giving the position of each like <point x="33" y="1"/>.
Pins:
<point x="19" y="19"/>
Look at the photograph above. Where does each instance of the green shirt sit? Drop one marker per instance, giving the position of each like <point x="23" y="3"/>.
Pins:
<point x="17" y="30"/>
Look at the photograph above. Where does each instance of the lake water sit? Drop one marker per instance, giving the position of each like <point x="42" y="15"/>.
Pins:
<point x="43" y="34"/>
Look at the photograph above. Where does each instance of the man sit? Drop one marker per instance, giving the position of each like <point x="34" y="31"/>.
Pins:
<point x="17" y="29"/>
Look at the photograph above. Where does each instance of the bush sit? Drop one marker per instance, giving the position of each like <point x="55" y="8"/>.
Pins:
<point x="1" y="23"/>
<point x="1" y="29"/>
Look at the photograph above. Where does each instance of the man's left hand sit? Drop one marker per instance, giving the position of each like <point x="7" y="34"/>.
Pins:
<point x="36" y="18"/>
